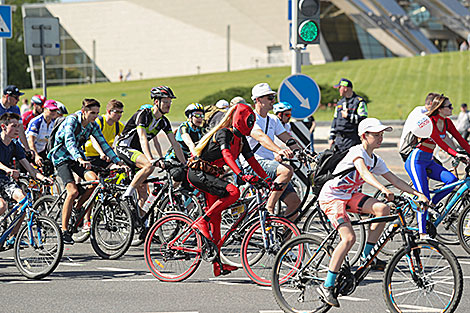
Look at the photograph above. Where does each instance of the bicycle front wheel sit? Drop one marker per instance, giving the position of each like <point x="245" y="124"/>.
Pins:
<point x="428" y="279"/>
<point x="112" y="230"/>
<point x="262" y="245"/>
<point x="296" y="275"/>
<point x="38" y="247"/>
<point x="172" y="249"/>
<point x="463" y="229"/>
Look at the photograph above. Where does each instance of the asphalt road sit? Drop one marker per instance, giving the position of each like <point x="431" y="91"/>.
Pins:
<point x="85" y="283"/>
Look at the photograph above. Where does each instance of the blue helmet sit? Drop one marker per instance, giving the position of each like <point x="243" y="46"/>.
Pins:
<point x="281" y="107"/>
<point x="193" y="107"/>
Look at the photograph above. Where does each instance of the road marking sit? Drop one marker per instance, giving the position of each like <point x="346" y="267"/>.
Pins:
<point x="115" y="269"/>
<point x="354" y="299"/>
<point x="71" y="264"/>
<point x="27" y="282"/>
<point x="270" y="311"/>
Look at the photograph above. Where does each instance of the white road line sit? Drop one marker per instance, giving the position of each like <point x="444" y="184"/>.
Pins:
<point x="27" y="282"/>
<point x="71" y="264"/>
<point x="270" y="311"/>
<point x="115" y="269"/>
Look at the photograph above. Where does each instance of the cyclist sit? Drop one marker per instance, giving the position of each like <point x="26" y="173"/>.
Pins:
<point x="283" y="111"/>
<point x="39" y="130"/>
<point x="341" y="195"/>
<point x="37" y="107"/>
<point x="133" y="144"/>
<point x="62" y="109"/>
<point x="269" y="154"/>
<point x="111" y="127"/>
<point x="9" y="149"/>
<point x="221" y="146"/>
<point x="68" y="156"/>
<point x="420" y="163"/>
<point x="188" y="135"/>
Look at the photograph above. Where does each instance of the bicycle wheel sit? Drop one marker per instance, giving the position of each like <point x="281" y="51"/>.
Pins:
<point x="112" y="230"/>
<point x="181" y="201"/>
<point x="45" y="206"/>
<point x="172" y="249"/>
<point x="447" y="231"/>
<point x="38" y="247"/>
<point x="463" y="229"/>
<point x="294" y="283"/>
<point x="429" y="279"/>
<point x="264" y="250"/>
<point x="314" y="225"/>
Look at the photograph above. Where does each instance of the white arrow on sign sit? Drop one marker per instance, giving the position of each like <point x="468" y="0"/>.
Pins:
<point x="303" y="101"/>
<point x="3" y="26"/>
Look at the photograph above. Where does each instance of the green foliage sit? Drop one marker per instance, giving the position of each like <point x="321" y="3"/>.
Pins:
<point x="227" y="94"/>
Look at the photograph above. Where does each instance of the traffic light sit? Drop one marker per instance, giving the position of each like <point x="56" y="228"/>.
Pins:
<point x="308" y="22"/>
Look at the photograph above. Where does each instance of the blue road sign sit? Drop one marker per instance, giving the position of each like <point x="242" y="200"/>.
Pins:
<point x="302" y="93"/>
<point x="5" y="21"/>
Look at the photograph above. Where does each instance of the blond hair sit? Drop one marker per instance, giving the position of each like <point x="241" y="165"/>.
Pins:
<point x="224" y="123"/>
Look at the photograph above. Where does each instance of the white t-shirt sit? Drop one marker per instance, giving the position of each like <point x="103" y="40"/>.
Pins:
<point x="342" y="187"/>
<point x="275" y="128"/>
<point x="38" y="128"/>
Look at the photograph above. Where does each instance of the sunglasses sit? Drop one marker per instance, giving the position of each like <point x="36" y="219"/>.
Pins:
<point x="271" y="97"/>
<point x="198" y="115"/>
<point x="117" y="111"/>
<point x="448" y="106"/>
<point x="288" y="114"/>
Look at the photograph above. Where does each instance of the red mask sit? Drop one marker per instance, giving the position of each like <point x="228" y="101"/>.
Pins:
<point x="243" y="119"/>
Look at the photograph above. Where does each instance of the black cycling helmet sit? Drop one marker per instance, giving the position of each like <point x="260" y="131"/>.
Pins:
<point x="161" y="92"/>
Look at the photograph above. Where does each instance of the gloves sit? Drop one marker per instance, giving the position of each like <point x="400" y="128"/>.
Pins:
<point x="269" y="181"/>
<point x="249" y="178"/>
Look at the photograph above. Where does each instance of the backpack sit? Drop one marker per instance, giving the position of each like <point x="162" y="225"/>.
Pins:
<point x="325" y="165"/>
<point x="410" y="142"/>
<point x="209" y="112"/>
<point x="58" y="122"/>
<point x="101" y="123"/>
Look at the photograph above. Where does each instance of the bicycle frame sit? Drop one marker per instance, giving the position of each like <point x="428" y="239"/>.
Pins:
<point x="21" y="206"/>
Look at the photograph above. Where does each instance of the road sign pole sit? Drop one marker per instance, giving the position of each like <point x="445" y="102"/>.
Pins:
<point x="296" y="62"/>
<point x="3" y="59"/>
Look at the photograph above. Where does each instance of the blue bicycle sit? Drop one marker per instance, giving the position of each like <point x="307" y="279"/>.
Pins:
<point x="38" y="244"/>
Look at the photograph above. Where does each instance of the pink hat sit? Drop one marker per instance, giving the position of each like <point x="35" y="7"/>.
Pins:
<point x="51" y="105"/>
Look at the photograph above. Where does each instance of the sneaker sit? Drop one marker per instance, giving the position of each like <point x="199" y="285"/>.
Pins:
<point x="86" y="226"/>
<point x="376" y="265"/>
<point x="226" y="269"/>
<point x="328" y="295"/>
<point x="11" y="242"/>
<point x="67" y="238"/>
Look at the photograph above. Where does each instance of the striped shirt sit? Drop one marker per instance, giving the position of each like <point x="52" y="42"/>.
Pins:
<point x="69" y="147"/>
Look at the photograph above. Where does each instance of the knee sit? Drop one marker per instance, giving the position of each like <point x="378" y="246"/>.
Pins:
<point x="285" y="170"/>
<point x="72" y="193"/>
<point x="382" y="210"/>
<point x="349" y="239"/>
<point x="233" y="192"/>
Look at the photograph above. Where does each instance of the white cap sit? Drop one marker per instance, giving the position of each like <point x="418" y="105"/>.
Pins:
<point x="261" y="89"/>
<point x="372" y="125"/>
<point x="222" y="104"/>
<point x="238" y="100"/>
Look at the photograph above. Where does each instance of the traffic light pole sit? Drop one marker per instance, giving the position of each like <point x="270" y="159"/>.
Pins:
<point x="296" y="53"/>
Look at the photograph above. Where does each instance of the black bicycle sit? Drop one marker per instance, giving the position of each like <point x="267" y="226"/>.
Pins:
<point x="423" y="275"/>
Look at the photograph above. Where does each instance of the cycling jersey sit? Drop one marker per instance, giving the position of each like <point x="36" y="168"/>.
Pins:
<point x="185" y="128"/>
<point x="39" y="129"/>
<point x="142" y="119"/>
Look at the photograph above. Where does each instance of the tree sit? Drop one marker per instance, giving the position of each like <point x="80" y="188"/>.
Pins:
<point x="17" y="61"/>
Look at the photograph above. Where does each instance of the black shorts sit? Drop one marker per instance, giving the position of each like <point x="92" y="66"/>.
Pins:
<point x="98" y="161"/>
<point x="7" y="187"/>
<point x="208" y="183"/>
<point x="65" y="169"/>
<point x="129" y="156"/>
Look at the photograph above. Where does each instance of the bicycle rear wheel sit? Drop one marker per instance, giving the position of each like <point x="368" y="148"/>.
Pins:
<point x="463" y="229"/>
<point x="38" y="248"/>
<point x="112" y="230"/>
<point x="429" y="279"/>
<point x="172" y="249"/>
<point x="264" y="250"/>
<point x="294" y="283"/>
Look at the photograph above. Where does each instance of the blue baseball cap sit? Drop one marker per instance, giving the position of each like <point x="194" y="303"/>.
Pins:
<point x="344" y="82"/>
<point x="12" y="90"/>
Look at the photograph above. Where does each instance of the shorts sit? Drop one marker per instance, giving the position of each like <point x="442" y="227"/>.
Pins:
<point x="208" y="183"/>
<point x="64" y="171"/>
<point x="270" y="167"/>
<point x="128" y="155"/>
<point x="337" y="209"/>
<point x="7" y="188"/>
<point x="98" y="161"/>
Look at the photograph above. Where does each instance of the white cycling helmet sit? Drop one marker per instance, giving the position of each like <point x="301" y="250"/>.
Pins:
<point x="281" y="107"/>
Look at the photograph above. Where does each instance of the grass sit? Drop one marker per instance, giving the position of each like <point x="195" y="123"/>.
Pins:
<point x="394" y="85"/>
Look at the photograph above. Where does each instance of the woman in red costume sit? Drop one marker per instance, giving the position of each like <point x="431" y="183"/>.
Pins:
<point x="222" y="146"/>
<point x="420" y="163"/>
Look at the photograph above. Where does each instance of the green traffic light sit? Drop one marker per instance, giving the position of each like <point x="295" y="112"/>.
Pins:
<point x="308" y="30"/>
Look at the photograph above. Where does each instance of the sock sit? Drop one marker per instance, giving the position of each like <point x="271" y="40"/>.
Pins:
<point x="129" y="191"/>
<point x="367" y="249"/>
<point x="422" y="216"/>
<point x="330" y="279"/>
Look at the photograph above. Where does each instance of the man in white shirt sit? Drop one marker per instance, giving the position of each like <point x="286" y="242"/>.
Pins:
<point x="463" y="121"/>
<point x="269" y="154"/>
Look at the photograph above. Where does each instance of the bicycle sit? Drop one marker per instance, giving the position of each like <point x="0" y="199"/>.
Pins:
<point x="173" y="249"/>
<point x="38" y="244"/>
<point x="423" y="275"/>
<point x="112" y="226"/>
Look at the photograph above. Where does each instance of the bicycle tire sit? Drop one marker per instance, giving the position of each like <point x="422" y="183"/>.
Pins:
<point x="112" y="230"/>
<point x="167" y="263"/>
<point x="43" y="206"/>
<point x="294" y="287"/>
<point x="463" y="229"/>
<point x="184" y="202"/>
<point x="402" y="291"/>
<point x="253" y="247"/>
<point x="314" y="225"/>
<point x="37" y="256"/>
